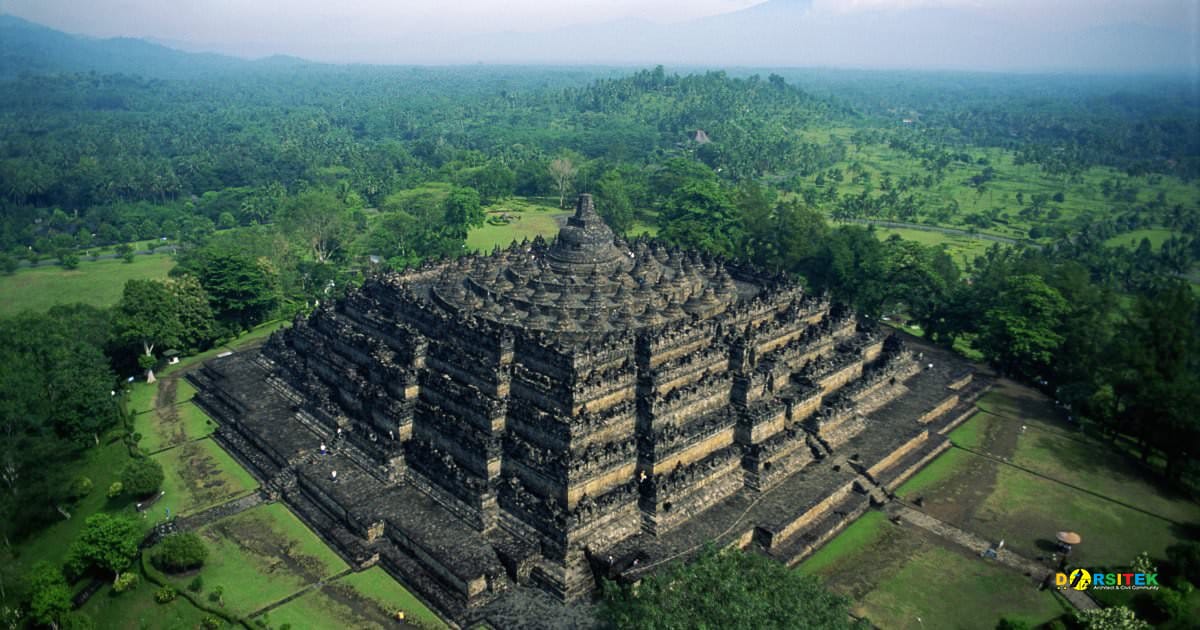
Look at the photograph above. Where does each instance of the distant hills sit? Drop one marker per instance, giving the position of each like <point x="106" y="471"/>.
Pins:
<point x="791" y="33"/>
<point x="776" y="33"/>
<point x="26" y="47"/>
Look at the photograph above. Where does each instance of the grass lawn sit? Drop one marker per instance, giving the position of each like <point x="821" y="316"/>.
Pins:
<point x="1008" y="196"/>
<point x="261" y="556"/>
<point x="943" y="588"/>
<point x="141" y="397"/>
<point x="1083" y="462"/>
<point x="137" y="609"/>
<point x="359" y="600"/>
<point x="895" y="574"/>
<point x="961" y="248"/>
<point x="162" y="429"/>
<point x="1026" y="511"/>
<point x="860" y="534"/>
<point x="945" y="467"/>
<point x="641" y="228"/>
<point x="376" y="584"/>
<point x="1132" y="239"/>
<point x="183" y="391"/>
<point x="1087" y="487"/>
<point x="99" y="283"/>
<point x="198" y="475"/>
<point x="528" y="219"/>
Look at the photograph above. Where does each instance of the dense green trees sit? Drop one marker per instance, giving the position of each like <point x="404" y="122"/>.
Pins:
<point x="47" y="594"/>
<point x="461" y="212"/>
<point x="108" y="543"/>
<point x="142" y="476"/>
<point x="154" y="316"/>
<point x="55" y="401"/>
<point x="242" y="290"/>
<point x="179" y="552"/>
<point x="700" y="214"/>
<point x="1020" y="335"/>
<point x="319" y="220"/>
<point x="725" y="589"/>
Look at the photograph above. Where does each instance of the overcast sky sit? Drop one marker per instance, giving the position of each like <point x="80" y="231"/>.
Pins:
<point x="327" y="30"/>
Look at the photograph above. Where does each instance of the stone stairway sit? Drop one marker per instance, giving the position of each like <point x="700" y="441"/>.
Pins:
<point x="218" y="512"/>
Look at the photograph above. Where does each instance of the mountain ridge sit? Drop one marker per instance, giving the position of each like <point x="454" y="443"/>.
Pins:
<point x="777" y="33"/>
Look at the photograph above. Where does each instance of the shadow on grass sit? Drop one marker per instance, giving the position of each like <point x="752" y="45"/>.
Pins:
<point x="1085" y="458"/>
<point x="1048" y="546"/>
<point x="1186" y="531"/>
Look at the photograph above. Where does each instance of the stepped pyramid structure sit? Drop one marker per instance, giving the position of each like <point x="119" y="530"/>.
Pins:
<point x="501" y="431"/>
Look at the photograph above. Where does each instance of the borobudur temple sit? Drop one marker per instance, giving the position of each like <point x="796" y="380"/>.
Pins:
<point x="510" y="428"/>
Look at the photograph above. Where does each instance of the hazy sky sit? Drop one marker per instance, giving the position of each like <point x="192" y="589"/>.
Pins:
<point x="334" y="31"/>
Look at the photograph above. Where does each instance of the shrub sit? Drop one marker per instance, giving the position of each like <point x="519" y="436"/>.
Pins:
<point x="211" y="622"/>
<point x="179" y="552"/>
<point x="79" y="488"/>
<point x="216" y="594"/>
<point x="1166" y="605"/>
<point x="1185" y="560"/>
<point x="142" y="476"/>
<point x="165" y="595"/>
<point x="115" y="490"/>
<point x="196" y="585"/>
<point x="69" y="259"/>
<point x="126" y="582"/>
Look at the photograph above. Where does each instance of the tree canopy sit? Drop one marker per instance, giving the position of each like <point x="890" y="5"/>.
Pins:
<point x="725" y="589"/>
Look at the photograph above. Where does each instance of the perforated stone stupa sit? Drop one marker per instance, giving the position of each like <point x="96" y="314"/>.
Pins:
<point x="501" y="431"/>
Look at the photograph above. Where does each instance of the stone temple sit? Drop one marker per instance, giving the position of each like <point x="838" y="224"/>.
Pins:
<point x="502" y="431"/>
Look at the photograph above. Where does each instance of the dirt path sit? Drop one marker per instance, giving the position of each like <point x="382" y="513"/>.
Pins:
<point x="167" y="414"/>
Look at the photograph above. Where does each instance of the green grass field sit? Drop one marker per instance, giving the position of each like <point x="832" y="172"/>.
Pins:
<point x="141" y="397"/>
<point x="261" y="556"/>
<point x="99" y="283"/>
<point x="368" y="599"/>
<point x="137" y="609"/>
<point x="944" y="588"/>
<point x="1134" y="238"/>
<point x="1026" y="511"/>
<point x="1018" y="473"/>
<point x="961" y="248"/>
<point x="858" y="535"/>
<point x="199" y="474"/>
<point x="1082" y="197"/>
<point x="376" y="584"/>
<point x="897" y="573"/>
<point x="528" y="219"/>
<point x="186" y="422"/>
